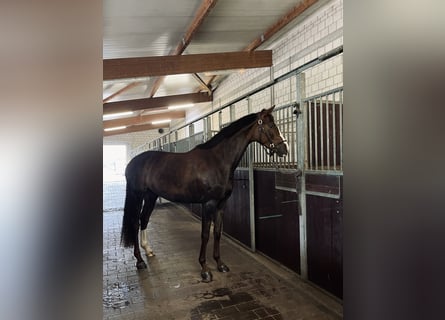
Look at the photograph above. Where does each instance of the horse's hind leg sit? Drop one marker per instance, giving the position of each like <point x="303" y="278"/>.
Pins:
<point x="130" y="224"/>
<point x="147" y="209"/>
<point x="209" y="210"/>
<point x="217" y="230"/>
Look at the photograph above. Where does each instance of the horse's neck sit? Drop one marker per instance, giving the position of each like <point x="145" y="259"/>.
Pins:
<point x="232" y="149"/>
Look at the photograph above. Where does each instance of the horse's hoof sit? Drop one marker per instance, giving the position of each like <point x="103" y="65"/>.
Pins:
<point x="150" y="254"/>
<point x="223" y="268"/>
<point x="141" y="265"/>
<point x="206" y="276"/>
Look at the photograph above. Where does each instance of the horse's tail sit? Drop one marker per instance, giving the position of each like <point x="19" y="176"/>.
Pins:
<point x="130" y="222"/>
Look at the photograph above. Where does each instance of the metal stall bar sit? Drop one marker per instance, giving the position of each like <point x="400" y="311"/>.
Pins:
<point x="290" y="136"/>
<point x="341" y="129"/>
<point x="309" y="107"/>
<point x="328" y="142"/>
<point x="292" y="126"/>
<point x="301" y="156"/>
<point x="316" y="133"/>
<point x="322" y="144"/>
<point x="251" y="153"/>
<point x="334" y="135"/>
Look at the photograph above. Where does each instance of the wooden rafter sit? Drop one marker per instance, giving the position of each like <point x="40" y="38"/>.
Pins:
<point x="202" y="12"/>
<point x="282" y="22"/>
<point x="202" y="83"/>
<point x="178" y="114"/>
<point x="155" y="103"/>
<point x="127" y="87"/>
<point x="191" y="63"/>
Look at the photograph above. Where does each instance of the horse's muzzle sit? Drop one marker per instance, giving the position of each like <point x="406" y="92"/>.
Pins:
<point x="281" y="149"/>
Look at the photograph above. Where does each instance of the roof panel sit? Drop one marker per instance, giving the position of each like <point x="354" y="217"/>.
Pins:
<point x="144" y="28"/>
<point x="233" y="24"/>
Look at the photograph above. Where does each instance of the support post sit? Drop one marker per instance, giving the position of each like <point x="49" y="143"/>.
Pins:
<point x="301" y="149"/>
<point x="251" y="190"/>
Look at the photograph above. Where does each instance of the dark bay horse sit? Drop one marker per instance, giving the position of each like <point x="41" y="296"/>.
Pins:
<point x="202" y="175"/>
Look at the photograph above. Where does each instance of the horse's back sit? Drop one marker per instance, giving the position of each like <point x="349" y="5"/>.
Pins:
<point x="151" y="165"/>
<point x="137" y="167"/>
<point x="182" y="177"/>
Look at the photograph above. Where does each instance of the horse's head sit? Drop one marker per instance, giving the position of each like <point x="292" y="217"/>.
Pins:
<point x="269" y="135"/>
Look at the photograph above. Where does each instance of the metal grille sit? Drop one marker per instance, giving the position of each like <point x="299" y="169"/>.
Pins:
<point x="189" y="143"/>
<point x="317" y="136"/>
<point x="323" y="116"/>
<point x="324" y="131"/>
<point x="182" y="145"/>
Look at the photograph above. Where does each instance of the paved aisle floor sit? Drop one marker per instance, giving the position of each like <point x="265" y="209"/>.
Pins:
<point x="170" y="288"/>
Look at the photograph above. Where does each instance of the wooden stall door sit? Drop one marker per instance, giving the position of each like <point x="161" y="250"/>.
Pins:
<point x="276" y="221"/>
<point x="236" y="220"/>
<point x="324" y="243"/>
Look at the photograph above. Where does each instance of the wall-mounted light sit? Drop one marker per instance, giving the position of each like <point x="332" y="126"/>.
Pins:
<point x="112" y="115"/>
<point x="181" y="106"/>
<point x="161" y="121"/>
<point x="115" y="128"/>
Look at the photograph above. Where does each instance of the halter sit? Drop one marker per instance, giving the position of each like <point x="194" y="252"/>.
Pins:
<point x="272" y="147"/>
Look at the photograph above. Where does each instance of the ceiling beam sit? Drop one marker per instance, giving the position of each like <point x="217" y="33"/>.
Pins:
<point x="202" y="83"/>
<point x="142" y="127"/>
<point x="127" y="87"/>
<point x="191" y="63"/>
<point x="155" y="103"/>
<point x="281" y="23"/>
<point x="201" y="13"/>
<point x="179" y="114"/>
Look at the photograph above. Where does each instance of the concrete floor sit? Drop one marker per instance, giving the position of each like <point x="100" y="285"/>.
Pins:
<point x="171" y="287"/>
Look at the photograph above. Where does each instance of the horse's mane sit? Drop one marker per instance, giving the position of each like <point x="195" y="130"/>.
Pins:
<point x="228" y="131"/>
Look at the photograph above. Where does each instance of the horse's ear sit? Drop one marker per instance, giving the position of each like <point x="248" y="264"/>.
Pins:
<point x="266" y="112"/>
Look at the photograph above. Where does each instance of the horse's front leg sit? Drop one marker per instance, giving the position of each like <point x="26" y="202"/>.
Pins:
<point x="217" y="230"/>
<point x="206" y="274"/>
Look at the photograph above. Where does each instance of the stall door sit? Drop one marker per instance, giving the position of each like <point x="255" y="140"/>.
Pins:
<point x="276" y="220"/>
<point x="324" y="243"/>
<point x="236" y="219"/>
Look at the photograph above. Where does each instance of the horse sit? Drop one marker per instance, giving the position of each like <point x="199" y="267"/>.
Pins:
<point x="202" y="175"/>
